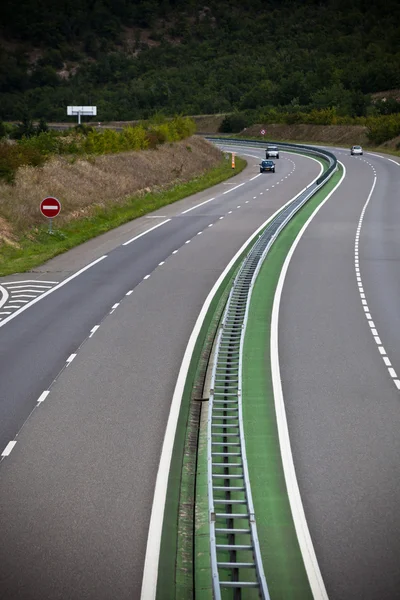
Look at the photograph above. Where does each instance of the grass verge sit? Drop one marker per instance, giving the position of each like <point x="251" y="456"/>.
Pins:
<point x="39" y="247"/>
<point x="282" y="559"/>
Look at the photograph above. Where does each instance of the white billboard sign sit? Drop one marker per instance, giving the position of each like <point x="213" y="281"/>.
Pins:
<point x="90" y="111"/>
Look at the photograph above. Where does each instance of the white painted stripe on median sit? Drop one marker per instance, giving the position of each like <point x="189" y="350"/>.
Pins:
<point x="57" y="287"/>
<point x="150" y="571"/>
<point x="4" y="295"/>
<point x="8" y="448"/>
<point x="306" y="545"/>
<point x="146" y="232"/>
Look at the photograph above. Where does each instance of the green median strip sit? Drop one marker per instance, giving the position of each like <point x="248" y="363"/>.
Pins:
<point x="282" y="559"/>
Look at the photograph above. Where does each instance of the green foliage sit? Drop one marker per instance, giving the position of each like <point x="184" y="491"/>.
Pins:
<point x="293" y="56"/>
<point x="234" y="123"/>
<point x="3" y="130"/>
<point x="383" y="128"/>
<point x="14" y="156"/>
<point x="37" y="147"/>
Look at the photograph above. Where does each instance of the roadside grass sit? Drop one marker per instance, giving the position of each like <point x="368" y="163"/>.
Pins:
<point x="38" y="246"/>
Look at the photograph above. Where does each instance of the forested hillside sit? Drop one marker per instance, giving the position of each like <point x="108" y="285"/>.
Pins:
<point x="135" y="58"/>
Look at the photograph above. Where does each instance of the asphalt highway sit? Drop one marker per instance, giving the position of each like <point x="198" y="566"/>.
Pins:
<point x="339" y="350"/>
<point x="77" y="487"/>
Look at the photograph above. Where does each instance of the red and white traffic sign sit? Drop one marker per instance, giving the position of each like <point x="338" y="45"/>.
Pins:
<point x="50" y="207"/>
<point x="262" y="131"/>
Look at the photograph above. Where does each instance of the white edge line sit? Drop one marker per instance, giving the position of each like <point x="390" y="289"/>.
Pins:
<point x="255" y="177"/>
<point x="56" y="287"/>
<point x="385" y="157"/>
<point x="196" y="206"/>
<point x="150" y="571"/>
<point x="4" y="295"/>
<point x="306" y="546"/>
<point x="145" y="232"/>
<point x="43" y="396"/>
<point x="8" y="448"/>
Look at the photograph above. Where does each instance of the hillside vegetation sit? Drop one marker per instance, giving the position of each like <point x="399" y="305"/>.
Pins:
<point x="135" y="58"/>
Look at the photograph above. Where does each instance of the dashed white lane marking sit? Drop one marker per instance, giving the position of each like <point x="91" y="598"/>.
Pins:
<point x="255" y="177"/>
<point x="114" y="306"/>
<point x="229" y="212"/>
<point x="94" y="329"/>
<point x="361" y="290"/>
<point x="238" y="206"/>
<point x="187" y="242"/>
<point x="247" y="201"/>
<point x="199" y="233"/>
<point x="146" y="276"/>
<point x="43" y="396"/>
<point x="197" y="205"/>
<point x="211" y="224"/>
<point x="234" y="188"/>
<point x="156" y="216"/>
<point x="129" y="293"/>
<point x="70" y="359"/>
<point x="254" y="197"/>
<point x="174" y="251"/>
<point x="221" y="218"/>
<point x="7" y="450"/>
<point x="160" y="264"/>
<point x="145" y="232"/>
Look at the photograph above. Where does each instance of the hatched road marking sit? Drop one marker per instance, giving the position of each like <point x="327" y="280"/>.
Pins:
<point x="15" y="294"/>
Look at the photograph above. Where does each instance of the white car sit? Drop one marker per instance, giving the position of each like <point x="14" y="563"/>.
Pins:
<point x="272" y="152"/>
<point x="356" y="150"/>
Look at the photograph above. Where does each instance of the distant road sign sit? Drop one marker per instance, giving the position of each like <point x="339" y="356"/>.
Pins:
<point x="262" y="131"/>
<point x="50" y="207"/>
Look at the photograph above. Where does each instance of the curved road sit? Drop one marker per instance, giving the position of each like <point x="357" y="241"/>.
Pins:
<point x="339" y="347"/>
<point x="77" y="486"/>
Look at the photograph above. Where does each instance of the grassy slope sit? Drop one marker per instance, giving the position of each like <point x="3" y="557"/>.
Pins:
<point x="40" y="247"/>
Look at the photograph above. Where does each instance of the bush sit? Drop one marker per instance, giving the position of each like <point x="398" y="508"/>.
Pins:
<point x="13" y="156"/>
<point x="234" y="123"/>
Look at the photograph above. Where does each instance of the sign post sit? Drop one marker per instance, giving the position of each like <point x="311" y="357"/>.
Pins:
<point x="233" y="160"/>
<point x="50" y="208"/>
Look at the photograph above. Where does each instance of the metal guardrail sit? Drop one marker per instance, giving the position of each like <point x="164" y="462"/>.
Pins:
<point x="236" y="561"/>
<point x="294" y="147"/>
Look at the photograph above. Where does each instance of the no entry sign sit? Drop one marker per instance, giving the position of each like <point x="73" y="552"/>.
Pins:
<point x="50" y="207"/>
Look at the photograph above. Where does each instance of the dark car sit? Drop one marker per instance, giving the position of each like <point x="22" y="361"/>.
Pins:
<point x="267" y="165"/>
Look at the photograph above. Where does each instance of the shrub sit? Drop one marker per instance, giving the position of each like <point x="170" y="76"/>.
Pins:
<point x="233" y="123"/>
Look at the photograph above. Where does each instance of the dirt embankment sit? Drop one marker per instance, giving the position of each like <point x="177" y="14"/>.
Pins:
<point x="331" y="134"/>
<point x="83" y="185"/>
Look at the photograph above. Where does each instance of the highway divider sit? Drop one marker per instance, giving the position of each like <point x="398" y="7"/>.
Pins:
<point x="161" y="555"/>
